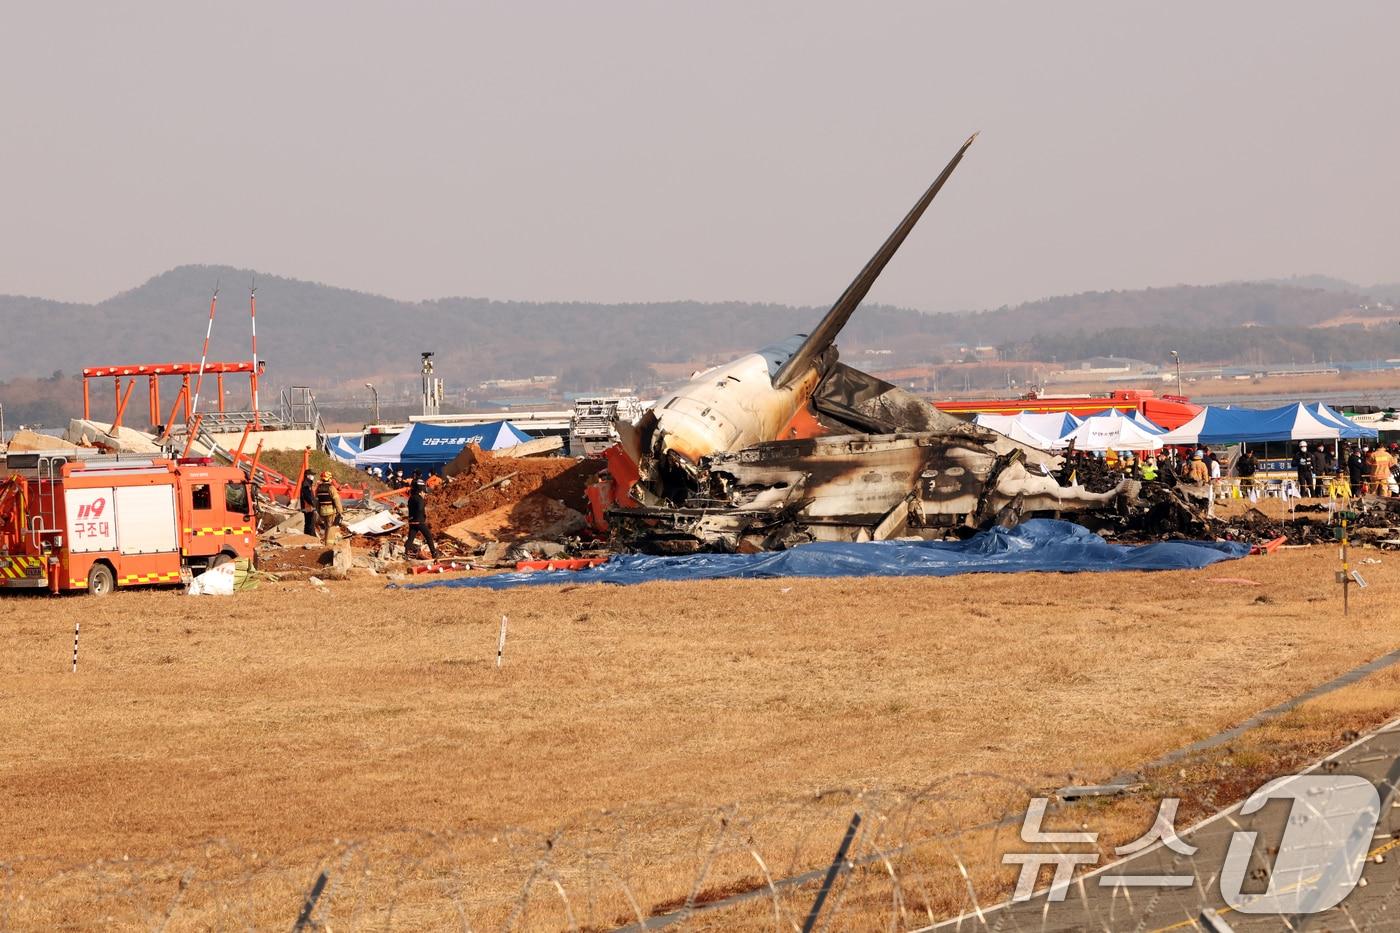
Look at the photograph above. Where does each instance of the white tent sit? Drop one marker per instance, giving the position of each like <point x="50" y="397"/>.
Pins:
<point x="1135" y="416"/>
<point x="1012" y="427"/>
<point x="1102" y="432"/>
<point x="1052" y="424"/>
<point x="1147" y="424"/>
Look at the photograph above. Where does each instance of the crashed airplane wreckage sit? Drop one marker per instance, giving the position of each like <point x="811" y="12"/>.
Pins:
<point x="788" y="445"/>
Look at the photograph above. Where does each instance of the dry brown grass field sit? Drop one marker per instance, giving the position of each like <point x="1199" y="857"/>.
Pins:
<point x="640" y="746"/>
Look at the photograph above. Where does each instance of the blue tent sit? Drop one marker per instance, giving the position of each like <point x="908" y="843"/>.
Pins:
<point x="1350" y="429"/>
<point x="1051" y="424"/>
<point x="1253" y="426"/>
<point x="1133" y="415"/>
<point x="430" y="446"/>
<point x="344" y="447"/>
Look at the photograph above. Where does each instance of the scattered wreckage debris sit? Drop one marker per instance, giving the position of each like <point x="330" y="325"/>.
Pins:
<point x="495" y="512"/>
<point x="788" y="445"/>
<point x="1375" y="521"/>
<point x="533" y="527"/>
<point x="449" y="566"/>
<point x="565" y="563"/>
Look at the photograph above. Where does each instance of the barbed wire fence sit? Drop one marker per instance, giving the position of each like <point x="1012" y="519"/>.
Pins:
<point x="836" y="859"/>
<point x="761" y="864"/>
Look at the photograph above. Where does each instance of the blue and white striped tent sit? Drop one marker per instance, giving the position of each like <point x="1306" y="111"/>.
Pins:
<point x="1012" y="427"/>
<point x="1133" y="415"/>
<point x="1350" y="429"/>
<point x="1050" y="425"/>
<point x="344" y="447"/>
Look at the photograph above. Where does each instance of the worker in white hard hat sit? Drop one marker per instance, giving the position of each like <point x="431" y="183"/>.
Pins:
<point x="1302" y="465"/>
<point x="1198" y="472"/>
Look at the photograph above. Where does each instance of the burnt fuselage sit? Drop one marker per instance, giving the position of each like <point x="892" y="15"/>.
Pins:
<point x="787" y="444"/>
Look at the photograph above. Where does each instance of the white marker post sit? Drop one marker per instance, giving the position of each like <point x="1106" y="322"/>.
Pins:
<point x="500" y="643"/>
<point x="76" y="626"/>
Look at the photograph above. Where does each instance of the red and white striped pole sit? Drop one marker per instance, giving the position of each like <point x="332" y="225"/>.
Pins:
<point x="213" y="303"/>
<point x="253" y="317"/>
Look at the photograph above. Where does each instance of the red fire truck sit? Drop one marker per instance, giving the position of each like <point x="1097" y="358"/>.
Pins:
<point x="99" y="523"/>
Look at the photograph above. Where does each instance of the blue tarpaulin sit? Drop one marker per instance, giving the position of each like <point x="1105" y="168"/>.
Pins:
<point x="1036" y="545"/>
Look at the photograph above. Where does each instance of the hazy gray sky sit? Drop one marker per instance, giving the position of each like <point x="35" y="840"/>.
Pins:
<point x="655" y="150"/>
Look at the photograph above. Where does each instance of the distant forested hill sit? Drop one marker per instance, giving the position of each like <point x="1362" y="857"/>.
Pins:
<point x="322" y="335"/>
<point x="1244" y="322"/>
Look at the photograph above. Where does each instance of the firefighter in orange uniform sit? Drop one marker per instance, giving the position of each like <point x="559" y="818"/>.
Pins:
<point x="1198" y="472"/>
<point x="1381" y="462"/>
<point x="328" y="508"/>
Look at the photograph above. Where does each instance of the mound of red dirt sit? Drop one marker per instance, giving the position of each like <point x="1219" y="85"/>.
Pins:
<point x="493" y="482"/>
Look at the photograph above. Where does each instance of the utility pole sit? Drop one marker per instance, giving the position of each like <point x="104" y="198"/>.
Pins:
<point x="370" y="386"/>
<point x="1177" y="356"/>
<point x="2" y="424"/>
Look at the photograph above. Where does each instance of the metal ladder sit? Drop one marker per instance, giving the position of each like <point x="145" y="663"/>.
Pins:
<point x="53" y="466"/>
<point x="299" y="410"/>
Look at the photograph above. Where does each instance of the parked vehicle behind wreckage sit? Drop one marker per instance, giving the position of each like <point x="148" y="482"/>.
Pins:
<point x="788" y="445"/>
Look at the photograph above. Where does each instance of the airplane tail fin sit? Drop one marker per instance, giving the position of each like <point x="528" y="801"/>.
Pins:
<point x="825" y="332"/>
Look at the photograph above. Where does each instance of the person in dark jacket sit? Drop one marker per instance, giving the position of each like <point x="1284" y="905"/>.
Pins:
<point x="1356" y="469"/>
<point x="418" y="517"/>
<point x="1322" y="468"/>
<point x="1302" y="465"/>
<point x="307" y="498"/>
<point x="1246" y="468"/>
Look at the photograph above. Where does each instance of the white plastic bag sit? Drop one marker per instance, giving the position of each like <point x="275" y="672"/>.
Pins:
<point x="217" y="581"/>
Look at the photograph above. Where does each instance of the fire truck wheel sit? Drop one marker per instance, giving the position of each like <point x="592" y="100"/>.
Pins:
<point x="218" y="560"/>
<point x="100" y="580"/>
